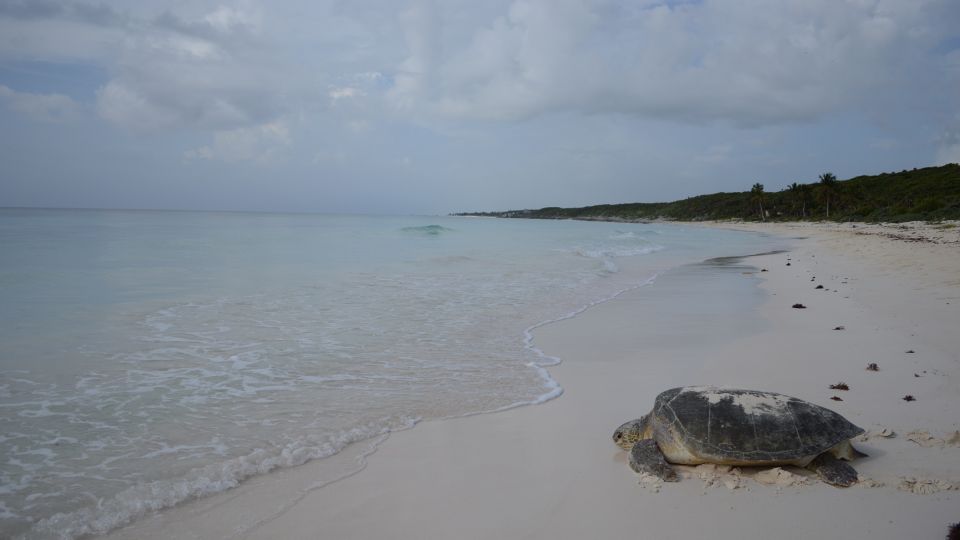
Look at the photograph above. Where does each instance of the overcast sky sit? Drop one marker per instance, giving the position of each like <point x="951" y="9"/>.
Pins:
<point x="389" y="106"/>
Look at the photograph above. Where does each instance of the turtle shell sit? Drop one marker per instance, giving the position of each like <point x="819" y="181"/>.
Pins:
<point x="702" y="424"/>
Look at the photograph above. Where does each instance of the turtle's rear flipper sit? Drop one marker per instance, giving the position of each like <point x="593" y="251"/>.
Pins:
<point x="646" y="457"/>
<point x="833" y="471"/>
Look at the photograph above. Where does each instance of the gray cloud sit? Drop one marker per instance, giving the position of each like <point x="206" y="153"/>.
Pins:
<point x="261" y="144"/>
<point x="31" y="9"/>
<point x="213" y="72"/>
<point x="948" y="150"/>
<point x="458" y="104"/>
<point x="98" y="14"/>
<point x="209" y="70"/>
<point x="43" y="107"/>
<point x="221" y="67"/>
<point x="751" y="64"/>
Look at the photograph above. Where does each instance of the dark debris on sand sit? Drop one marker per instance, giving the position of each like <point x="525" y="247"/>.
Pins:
<point x="799" y="306"/>
<point x="839" y="386"/>
<point x="908" y="397"/>
<point x="873" y="367"/>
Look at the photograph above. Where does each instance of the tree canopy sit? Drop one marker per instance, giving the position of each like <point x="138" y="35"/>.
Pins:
<point x="931" y="193"/>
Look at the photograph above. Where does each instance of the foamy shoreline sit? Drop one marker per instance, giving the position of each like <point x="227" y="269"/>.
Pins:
<point x="550" y="471"/>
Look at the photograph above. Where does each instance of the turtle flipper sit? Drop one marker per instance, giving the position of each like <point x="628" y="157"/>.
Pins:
<point x="646" y="457"/>
<point x="833" y="471"/>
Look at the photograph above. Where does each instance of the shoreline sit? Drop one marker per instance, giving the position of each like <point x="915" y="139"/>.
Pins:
<point x="550" y="470"/>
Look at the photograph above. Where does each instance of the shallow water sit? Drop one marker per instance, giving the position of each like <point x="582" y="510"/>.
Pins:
<point x="151" y="357"/>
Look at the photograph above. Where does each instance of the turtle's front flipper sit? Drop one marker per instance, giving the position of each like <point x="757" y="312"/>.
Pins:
<point x="833" y="471"/>
<point x="646" y="457"/>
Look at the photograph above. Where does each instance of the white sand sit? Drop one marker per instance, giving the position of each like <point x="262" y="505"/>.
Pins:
<point x="551" y="471"/>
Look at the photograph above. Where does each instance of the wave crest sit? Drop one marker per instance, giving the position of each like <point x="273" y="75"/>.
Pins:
<point x="138" y="500"/>
<point x="427" y="230"/>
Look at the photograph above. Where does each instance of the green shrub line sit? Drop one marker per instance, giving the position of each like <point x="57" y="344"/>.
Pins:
<point x="927" y="194"/>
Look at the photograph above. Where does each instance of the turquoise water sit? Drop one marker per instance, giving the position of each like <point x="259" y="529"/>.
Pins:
<point x="151" y="357"/>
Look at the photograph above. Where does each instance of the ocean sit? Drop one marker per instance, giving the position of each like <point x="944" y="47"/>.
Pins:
<point x="148" y="357"/>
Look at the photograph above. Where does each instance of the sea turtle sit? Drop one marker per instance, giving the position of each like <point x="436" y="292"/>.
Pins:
<point x="705" y="424"/>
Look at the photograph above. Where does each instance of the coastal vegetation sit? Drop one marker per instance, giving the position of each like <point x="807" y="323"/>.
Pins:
<point x="927" y="194"/>
<point x="756" y="195"/>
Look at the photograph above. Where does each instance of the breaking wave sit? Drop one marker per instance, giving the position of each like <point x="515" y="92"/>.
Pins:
<point x="427" y="230"/>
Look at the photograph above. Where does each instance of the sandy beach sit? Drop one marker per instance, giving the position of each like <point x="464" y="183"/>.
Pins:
<point x="552" y="471"/>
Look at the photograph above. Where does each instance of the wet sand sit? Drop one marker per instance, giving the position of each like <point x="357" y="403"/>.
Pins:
<point x="551" y="471"/>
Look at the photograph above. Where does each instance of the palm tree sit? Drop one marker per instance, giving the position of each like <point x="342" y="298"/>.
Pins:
<point x="800" y="193"/>
<point x="828" y="189"/>
<point x="756" y="195"/>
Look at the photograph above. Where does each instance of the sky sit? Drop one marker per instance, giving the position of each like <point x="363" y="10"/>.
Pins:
<point x="437" y="106"/>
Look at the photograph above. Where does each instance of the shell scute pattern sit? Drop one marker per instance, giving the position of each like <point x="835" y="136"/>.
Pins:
<point x="717" y="424"/>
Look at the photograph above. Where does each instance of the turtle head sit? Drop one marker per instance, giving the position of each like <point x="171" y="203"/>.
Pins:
<point x="629" y="433"/>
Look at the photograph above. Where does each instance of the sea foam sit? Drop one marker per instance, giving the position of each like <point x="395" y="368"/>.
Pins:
<point x="188" y="352"/>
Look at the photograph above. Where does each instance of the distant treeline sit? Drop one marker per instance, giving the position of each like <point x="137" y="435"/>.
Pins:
<point x="927" y="194"/>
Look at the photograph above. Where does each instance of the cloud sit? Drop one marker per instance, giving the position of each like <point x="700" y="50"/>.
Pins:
<point x="948" y="149"/>
<point x="222" y="25"/>
<point x="125" y="106"/>
<point x="948" y="154"/>
<point x="217" y="66"/>
<point x="99" y="14"/>
<point x="208" y="72"/>
<point x="33" y="9"/>
<point x="140" y="105"/>
<point x="344" y="92"/>
<point x="414" y="77"/>
<point x="750" y="63"/>
<point x="261" y="144"/>
<point x="201" y="68"/>
<point x="716" y="154"/>
<point x="581" y="100"/>
<point x="43" y="107"/>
